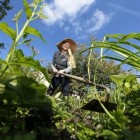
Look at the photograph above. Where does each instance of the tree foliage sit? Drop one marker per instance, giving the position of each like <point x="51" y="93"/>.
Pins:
<point x="4" y="7"/>
<point x="90" y="66"/>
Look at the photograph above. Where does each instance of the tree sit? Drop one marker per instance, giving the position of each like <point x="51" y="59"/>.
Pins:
<point x="2" y="46"/>
<point x="4" y="7"/>
<point x="90" y="66"/>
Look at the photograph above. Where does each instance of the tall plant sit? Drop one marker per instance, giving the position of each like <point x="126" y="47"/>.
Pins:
<point x="33" y="11"/>
<point x="124" y="45"/>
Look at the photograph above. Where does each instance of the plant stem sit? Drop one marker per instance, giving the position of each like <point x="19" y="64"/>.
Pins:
<point x="88" y="65"/>
<point x="18" y="36"/>
<point x="101" y="53"/>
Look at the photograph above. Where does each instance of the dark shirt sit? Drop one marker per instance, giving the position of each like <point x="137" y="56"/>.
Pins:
<point x="60" y="62"/>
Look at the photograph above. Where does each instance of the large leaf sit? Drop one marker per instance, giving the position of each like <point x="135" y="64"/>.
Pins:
<point x="127" y="82"/>
<point x="33" y="31"/>
<point x="110" y="134"/>
<point x="116" y="36"/>
<point x="7" y="30"/>
<point x="31" y="63"/>
<point x="21" y="90"/>
<point x="132" y="63"/>
<point x="3" y="62"/>
<point x="114" y="47"/>
<point x="121" y="119"/>
<point x="124" y="37"/>
<point x="131" y="36"/>
<point x="28" y="10"/>
<point x="119" y="47"/>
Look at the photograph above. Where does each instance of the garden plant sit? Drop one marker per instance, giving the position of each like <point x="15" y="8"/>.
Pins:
<point x="27" y="114"/>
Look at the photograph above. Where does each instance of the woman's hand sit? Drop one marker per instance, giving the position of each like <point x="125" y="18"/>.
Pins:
<point x="61" y="71"/>
<point x="55" y="70"/>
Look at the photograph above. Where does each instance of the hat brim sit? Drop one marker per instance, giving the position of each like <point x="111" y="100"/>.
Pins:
<point x="73" y="45"/>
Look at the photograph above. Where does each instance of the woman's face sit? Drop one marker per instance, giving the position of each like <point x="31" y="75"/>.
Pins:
<point x="65" y="46"/>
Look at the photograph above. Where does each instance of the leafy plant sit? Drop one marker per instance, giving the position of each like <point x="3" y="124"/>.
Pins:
<point x="20" y="95"/>
<point x="26" y="113"/>
<point x="124" y="46"/>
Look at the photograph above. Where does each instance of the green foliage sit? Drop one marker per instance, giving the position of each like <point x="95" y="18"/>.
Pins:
<point x="26" y="113"/>
<point x="4" y="7"/>
<point x="128" y="53"/>
<point x="33" y="31"/>
<point x="17" y="16"/>
<point x="8" y="30"/>
<point x="94" y="70"/>
<point x="28" y="10"/>
<point x="21" y="97"/>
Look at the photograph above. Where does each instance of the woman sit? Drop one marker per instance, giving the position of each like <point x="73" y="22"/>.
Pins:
<point x="63" y="62"/>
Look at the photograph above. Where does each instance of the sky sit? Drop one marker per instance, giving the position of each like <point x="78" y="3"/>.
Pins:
<point x="75" y="19"/>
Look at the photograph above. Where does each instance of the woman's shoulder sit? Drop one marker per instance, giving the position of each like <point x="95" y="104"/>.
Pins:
<point x="57" y="52"/>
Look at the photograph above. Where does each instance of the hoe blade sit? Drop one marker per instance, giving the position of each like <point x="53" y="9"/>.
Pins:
<point x="94" y="105"/>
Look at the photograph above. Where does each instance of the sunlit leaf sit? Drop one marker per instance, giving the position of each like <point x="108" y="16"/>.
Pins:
<point x="30" y="62"/>
<point x="2" y="88"/>
<point x="7" y="30"/>
<point x="28" y="10"/>
<point x="110" y="133"/>
<point x="25" y="41"/>
<point x="33" y="31"/>
<point x="120" y="117"/>
<point x="132" y="35"/>
<point x="17" y="16"/>
<point x="121" y="44"/>
<point x="57" y="95"/>
<point x="37" y="1"/>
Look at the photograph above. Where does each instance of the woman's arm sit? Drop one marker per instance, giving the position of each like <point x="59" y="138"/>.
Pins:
<point x="53" y="64"/>
<point x="53" y="68"/>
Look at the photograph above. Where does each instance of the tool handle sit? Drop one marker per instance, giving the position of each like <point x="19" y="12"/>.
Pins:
<point x="90" y="83"/>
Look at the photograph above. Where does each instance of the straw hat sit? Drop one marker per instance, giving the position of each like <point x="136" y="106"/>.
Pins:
<point x="73" y="45"/>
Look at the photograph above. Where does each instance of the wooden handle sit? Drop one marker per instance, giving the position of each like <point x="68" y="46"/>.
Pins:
<point x="90" y="83"/>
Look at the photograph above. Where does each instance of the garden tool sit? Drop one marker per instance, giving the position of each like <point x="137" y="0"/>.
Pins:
<point x="95" y="104"/>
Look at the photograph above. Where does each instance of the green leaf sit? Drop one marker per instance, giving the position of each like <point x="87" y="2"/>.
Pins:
<point x="41" y="16"/>
<point x="25" y="35"/>
<point x="3" y="62"/>
<point x="122" y="46"/>
<point x="118" y="79"/>
<point x="110" y="134"/>
<point x="121" y="119"/>
<point x="25" y="42"/>
<point x="85" y="130"/>
<point x="33" y="31"/>
<point x="116" y="36"/>
<point x="22" y="90"/>
<point x="37" y="1"/>
<point x="7" y="30"/>
<point x="132" y="35"/>
<point x="53" y="102"/>
<point x="128" y="56"/>
<point x="2" y="88"/>
<point x="28" y="10"/>
<point x="30" y="62"/>
<point x="17" y="16"/>
<point x="57" y="95"/>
